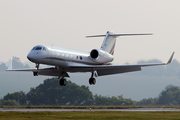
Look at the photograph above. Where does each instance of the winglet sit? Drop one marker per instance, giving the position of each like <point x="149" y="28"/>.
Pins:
<point x="170" y="59"/>
<point x="10" y="64"/>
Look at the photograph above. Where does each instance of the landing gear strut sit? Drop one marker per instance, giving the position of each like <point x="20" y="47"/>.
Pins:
<point x="37" y="66"/>
<point x="62" y="82"/>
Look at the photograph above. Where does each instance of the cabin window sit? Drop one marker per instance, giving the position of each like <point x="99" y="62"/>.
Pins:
<point x="76" y="57"/>
<point x="80" y="57"/>
<point x="44" y="48"/>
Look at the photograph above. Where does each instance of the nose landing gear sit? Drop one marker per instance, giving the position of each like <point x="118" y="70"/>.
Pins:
<point x="35" y="73"/>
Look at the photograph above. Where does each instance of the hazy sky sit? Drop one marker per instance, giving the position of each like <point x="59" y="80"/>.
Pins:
<point x="65" y="23"/>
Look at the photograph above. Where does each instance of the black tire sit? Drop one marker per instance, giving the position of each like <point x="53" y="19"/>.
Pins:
<point x="60" y="82"/>
<point x="64" y="82"/>
<point x="35" y="73"/>
<point x="90" y="81"/>
<point x="93" y="81"/>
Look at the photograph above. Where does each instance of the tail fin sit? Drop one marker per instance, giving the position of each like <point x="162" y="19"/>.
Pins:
<point x="109" y="42"/>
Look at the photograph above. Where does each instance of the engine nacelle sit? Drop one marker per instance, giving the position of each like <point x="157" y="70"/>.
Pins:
<point x="101" y="56"/>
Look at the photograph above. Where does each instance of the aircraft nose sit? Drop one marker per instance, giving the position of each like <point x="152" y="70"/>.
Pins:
<point x="30" y="56"/>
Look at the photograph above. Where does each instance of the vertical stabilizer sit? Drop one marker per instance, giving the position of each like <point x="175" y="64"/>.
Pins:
<point x="109" y="43"/>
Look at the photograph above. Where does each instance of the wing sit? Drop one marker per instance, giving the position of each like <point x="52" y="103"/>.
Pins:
<point x="100" y="69"/>
<point x="115" y="69"/>
<point x="49" y="71"/>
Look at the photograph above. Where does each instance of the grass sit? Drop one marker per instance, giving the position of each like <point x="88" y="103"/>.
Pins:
<point x="90" y="115"/>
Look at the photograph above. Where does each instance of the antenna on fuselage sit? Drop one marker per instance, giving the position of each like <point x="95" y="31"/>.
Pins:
<point x="52" y="45"/>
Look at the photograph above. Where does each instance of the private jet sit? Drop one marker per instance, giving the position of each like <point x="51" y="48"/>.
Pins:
<point x="63" y="61"/>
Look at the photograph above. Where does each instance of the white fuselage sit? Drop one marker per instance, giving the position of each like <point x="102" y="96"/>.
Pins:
<point x="61" y="57"/>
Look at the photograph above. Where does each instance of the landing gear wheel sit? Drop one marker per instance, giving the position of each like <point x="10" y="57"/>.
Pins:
<point x="92" y="81"/>
<point x="62" y="82"/>
<point x="35" y="73"/>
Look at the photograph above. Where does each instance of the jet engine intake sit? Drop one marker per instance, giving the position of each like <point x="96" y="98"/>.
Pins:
<point x="101" y="56"/>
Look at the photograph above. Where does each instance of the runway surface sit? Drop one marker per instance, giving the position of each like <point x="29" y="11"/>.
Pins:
<point x="59" y="110"/>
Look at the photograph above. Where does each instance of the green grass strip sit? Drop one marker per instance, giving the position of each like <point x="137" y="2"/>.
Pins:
<point x="90" y="115"/>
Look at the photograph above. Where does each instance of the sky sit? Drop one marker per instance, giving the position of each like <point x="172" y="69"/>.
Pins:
<point x="65" y="23"/>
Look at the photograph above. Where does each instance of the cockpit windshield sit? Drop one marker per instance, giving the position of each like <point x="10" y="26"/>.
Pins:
<point x="33" y="48"/>
<point x="38" y="48"/>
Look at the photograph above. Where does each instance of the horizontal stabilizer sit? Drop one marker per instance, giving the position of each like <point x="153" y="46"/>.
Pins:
<point x="116" y="35"/>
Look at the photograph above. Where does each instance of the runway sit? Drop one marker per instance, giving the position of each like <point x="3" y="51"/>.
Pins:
<point x="60" y="110"/>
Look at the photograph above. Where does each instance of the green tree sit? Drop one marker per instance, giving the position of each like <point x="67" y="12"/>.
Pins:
<point x="170" y="96"/>
<point x="101" y="100"/>
<point x="50" y="93"/>
<point x="20" y="97"/>
<point x="126" y="101"/>
<point x="119" y="100"/>
<point x="9" y="102"/>
<point x="149" y="101"/>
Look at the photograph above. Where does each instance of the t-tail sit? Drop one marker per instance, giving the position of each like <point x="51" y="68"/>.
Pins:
<point x="109" y="42"/>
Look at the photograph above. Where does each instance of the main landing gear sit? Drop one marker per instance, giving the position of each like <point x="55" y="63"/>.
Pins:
<point x="62" y="82"/>
<point x="92" y="80"/>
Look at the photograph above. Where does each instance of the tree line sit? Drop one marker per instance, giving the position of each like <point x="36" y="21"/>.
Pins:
<point x="50" y="93"/>
<point x="169" y="96"/>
